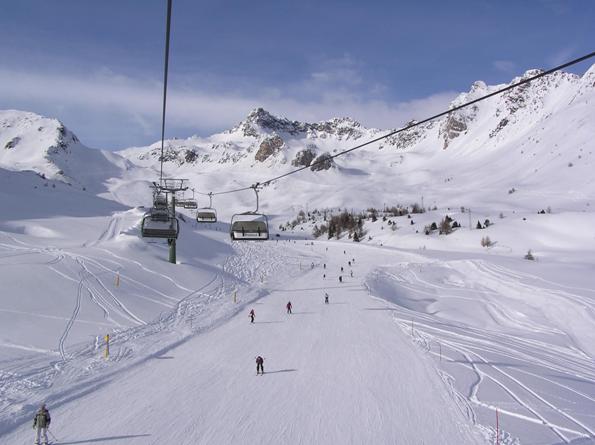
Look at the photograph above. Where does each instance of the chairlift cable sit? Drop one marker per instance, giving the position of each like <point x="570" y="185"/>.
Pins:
<point x="167" y="32"/>
<point x="418" y="123"/>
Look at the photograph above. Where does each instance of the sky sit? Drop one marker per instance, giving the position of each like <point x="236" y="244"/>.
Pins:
<point x="98" y="65"/>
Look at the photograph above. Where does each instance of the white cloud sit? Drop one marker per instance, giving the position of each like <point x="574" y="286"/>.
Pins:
<point x="561" y="56"/>
<point x="135" y="105"/>
<point x="506" y="66"/>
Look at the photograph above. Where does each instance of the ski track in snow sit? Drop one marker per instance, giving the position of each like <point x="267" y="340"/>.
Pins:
<point x="536" y="374"/>
<point x="200" y="309"/>
<point x="538" y="383"/>
<point x="253" y="270"/>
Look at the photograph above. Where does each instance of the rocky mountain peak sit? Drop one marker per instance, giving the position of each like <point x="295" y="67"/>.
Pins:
<point x="259" y="122"/>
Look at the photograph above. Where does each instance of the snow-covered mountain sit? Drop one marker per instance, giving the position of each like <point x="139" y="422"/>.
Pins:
<point x="537" y="137"/>
<point x="44" y="145"/>
<point x="533" y="139"/>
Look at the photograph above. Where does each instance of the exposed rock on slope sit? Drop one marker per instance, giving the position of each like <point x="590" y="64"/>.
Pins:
<point x="268" y="147"/>
<point x="304" y="157"/>
<point x="322" y="162"/>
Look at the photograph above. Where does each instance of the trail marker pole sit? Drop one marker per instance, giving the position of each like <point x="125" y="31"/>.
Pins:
<point x="440" y="348"/>
<point x="118" y="279"/>
<point x="412" y="328"/>
<point x="497" y="429"/>
<point x="235" y="296"/>
<point x="106" y="352"/>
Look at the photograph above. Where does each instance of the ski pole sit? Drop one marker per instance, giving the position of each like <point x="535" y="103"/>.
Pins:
<point x="52" y="434"/>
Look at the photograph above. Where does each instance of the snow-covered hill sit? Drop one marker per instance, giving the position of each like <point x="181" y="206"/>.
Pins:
<point x="536" y="139"/>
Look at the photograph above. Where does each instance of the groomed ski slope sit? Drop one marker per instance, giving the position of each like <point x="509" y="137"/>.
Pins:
<point x="338" y="373"/>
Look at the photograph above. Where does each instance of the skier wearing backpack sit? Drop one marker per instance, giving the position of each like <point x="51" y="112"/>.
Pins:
<point x="251" y="315"/>
<point x="259" y="365"/>
<point x="289" y="306"/>
<point x="41" y="423"/>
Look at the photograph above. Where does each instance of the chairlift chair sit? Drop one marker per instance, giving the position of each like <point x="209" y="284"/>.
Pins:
<point x="187" y="203"/>
<point x="250" y="226"/>
<point x="159" y="223"/>
<point x="207" y="214"/>
<point x="190" y="204"/>
<point x="160" y="201"/>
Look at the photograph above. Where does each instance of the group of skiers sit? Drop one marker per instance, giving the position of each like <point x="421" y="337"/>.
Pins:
<point x="289" y="306"/>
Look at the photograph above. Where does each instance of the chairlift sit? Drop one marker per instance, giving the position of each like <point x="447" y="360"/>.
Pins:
<point x="160" y="223"/>
<point x="160" y="201"/>
<point x="207" y="214"/>
<point x="188" y="203"/>
<point x="250" y="226"/>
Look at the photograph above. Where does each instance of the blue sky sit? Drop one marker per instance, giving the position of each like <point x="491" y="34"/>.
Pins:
<point x="98" y="65"/>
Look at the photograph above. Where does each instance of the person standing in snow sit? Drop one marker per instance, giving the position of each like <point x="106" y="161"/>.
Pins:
<point x="41" y="423"/>
<point x="325" y="298"/>
<point x="252" y="315"/>
<point x="289" y="306"/>
<point x="340" y="279"/>
<point x="259" y="365"/>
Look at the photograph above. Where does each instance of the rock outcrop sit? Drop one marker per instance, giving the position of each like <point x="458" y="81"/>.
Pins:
<point x="268" y="147"/>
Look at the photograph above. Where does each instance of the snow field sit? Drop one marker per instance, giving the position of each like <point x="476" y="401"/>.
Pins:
<point x="337" y="373"/>
<point x="505" y="337"/>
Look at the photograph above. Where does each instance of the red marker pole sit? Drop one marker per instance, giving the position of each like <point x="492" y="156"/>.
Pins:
<point x="497" y="429"/>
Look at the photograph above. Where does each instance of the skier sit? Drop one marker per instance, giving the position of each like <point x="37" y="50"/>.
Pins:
<point x="288" y="307"/>
<point x="351" y="274"/>
<point x="252" y="315"/>
<point x="259" y="365"/>
<point x="41" y="423"/>
<point x="353" y="260"/>
<point x="325" y="298"/>
<point x="340" y="279"/>
<point x="344" y="252"/>
<point x="349" y="263"/>
<point x="341" y="268"/>
<point x="312" y="266"/>
<point x="324" y="276"/>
